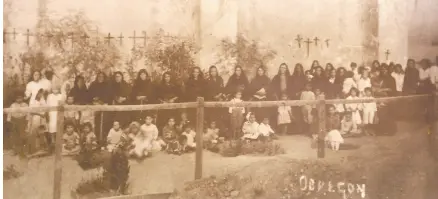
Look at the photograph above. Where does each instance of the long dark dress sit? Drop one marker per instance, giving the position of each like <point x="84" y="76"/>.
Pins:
<point x="276" y="88"/>
<point x="165" y="92"/>
<point x="121" y="89"/>
<point x="332" y="89"/>
<point x="256" y="84"/>
<point x="80" y="95"/>
<point x="214" y="91"/>
<point x="298" y="83"/>
<point x="320" y="82"/>
<point x="235" y="84"/>
<point x="194" y="88"/>
<point x="100" y="94"/>
<point x="386" y="122"/>
<point x="410" y="83"/>
<point x="142" y="88"/>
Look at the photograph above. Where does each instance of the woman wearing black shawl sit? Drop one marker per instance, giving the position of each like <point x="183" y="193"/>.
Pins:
<point x="410" y="83"/>
<point x="258" y="91"/>
<point x="121" y="91"/>
<point x="237" y="82"/>
<point x="341" y="74"/>
<point x="281" y="83"/>
<point x="99" y="92"/>
<point x="315" y="64"/>
<point x="80" y="92"/>
<point x="298" y="82"/>
<point x="167" y="92"/>
<point x="332" y="89"/>
<point x="214" y="91"/>
<point x="142" y="92"/>
<point x="318" y="80"/>
<point x="195" y="85"/>
<point x="384" y="86"/>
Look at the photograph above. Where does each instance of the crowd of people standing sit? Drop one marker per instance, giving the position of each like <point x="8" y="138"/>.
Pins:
<point x="377" y="80"/>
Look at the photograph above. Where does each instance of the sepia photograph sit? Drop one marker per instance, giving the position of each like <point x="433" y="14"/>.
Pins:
<point x="220" y="99"/>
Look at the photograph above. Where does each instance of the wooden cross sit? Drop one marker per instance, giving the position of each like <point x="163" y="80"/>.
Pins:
<point x="49" y="37"/>
<point x="13" y="33"/>
<point x="299" y="39"/>
<point x="308" y="42"/>
<point x="71" y="37"/>
<point x="28" y="34"/>
<point x="108" y="39"/>
<point x="85" y="37"/>
<point x="316" y="39"/>
<point x="387" y="53"/>
<point x="120" y="38"/>
<point x="327" y="42"/>
<point x="133" y="38"/>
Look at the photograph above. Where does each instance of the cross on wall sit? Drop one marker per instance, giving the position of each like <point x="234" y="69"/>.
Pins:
<point x="5" y="33"/>
<point x="299" y="39"/>
<point x="387" y="53"/>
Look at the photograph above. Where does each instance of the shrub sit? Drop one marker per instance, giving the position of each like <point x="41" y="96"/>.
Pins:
<point x="93" y="185"/>
<point x="235" y="148"/>
<point x="116" y="172"/>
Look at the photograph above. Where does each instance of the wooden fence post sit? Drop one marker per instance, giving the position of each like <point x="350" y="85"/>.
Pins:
<point x="433" y="130"/>
<point x="58" y="150"/>
<point x="199" y="137"/>
<point x="321" y="126"/>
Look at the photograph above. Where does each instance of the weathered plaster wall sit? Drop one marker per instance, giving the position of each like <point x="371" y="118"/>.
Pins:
<point x="405" y="26"/>
<point x="276" y="26"/>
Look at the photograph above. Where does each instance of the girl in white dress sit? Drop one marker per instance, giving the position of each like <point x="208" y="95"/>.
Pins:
<point x="354" y="108"/>
<point x="53" y="99"/>
<point x="284" y="116"/>
<point x="34" y="86"/>
<point x="148" y="138"/>
<point x="369" y="111"/>
<point x="250" y="128"/>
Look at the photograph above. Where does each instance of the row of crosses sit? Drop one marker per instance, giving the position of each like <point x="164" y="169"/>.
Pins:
<point x="49" y="35"/>
<point x="299" y="39"/>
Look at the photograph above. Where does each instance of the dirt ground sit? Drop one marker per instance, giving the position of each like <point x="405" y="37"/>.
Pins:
<point x="402" y="158"/>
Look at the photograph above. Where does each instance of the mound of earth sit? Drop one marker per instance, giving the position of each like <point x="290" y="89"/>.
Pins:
<point x="400" y="170"/>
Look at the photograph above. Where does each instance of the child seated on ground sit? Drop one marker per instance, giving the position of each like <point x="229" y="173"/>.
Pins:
<point x="348" y="126"/>
<point x="265" y="130"/>
<point x="333" y="137"/>
<point x="115" y="137"/>
<point x="150" y="132"/>
<point x="170" y="137"/>
<point x="89" y="138"/>
<point x="211" y="137"/>
<point x="132" y="132"/>
<point x="71" y="140"/>
<point x="250" y="128"/>
<point x="184" y="120"/>
<point x="188" y="139"/>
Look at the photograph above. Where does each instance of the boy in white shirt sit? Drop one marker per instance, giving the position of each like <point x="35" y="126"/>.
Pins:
<point x="265" y="130"/>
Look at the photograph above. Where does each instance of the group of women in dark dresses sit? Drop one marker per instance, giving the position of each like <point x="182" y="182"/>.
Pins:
<point x="116" y="90"/>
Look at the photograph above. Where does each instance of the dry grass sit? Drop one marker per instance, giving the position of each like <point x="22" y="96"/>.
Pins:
<point x="235" y="148"/>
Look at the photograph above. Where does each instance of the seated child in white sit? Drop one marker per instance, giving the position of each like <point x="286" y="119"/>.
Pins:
<point x="90" y="139"/>
<point x="115" y="136"/>
<point x="250" y="128"/>
<point x="265" y="129"/>
<point x="71" y="141"/>
<point x="212" y="133"/>
<point x="348" y="126"/>
<point x="189" y="142"/>
<point x="133" y="131"/>
<point x="150" y="133"/>
<point x="333" y="137"/>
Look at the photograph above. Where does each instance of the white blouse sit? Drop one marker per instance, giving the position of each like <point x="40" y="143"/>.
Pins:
<point x="363" y="83"/>
<point x="399" y="80"/>
<point x="32" y="89"/>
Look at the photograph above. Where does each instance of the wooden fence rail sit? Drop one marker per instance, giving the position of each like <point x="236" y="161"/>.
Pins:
<point x="200" y="105"/>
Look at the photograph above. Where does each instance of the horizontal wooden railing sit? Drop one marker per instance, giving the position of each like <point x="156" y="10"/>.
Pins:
<point x="200" y="105"/>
